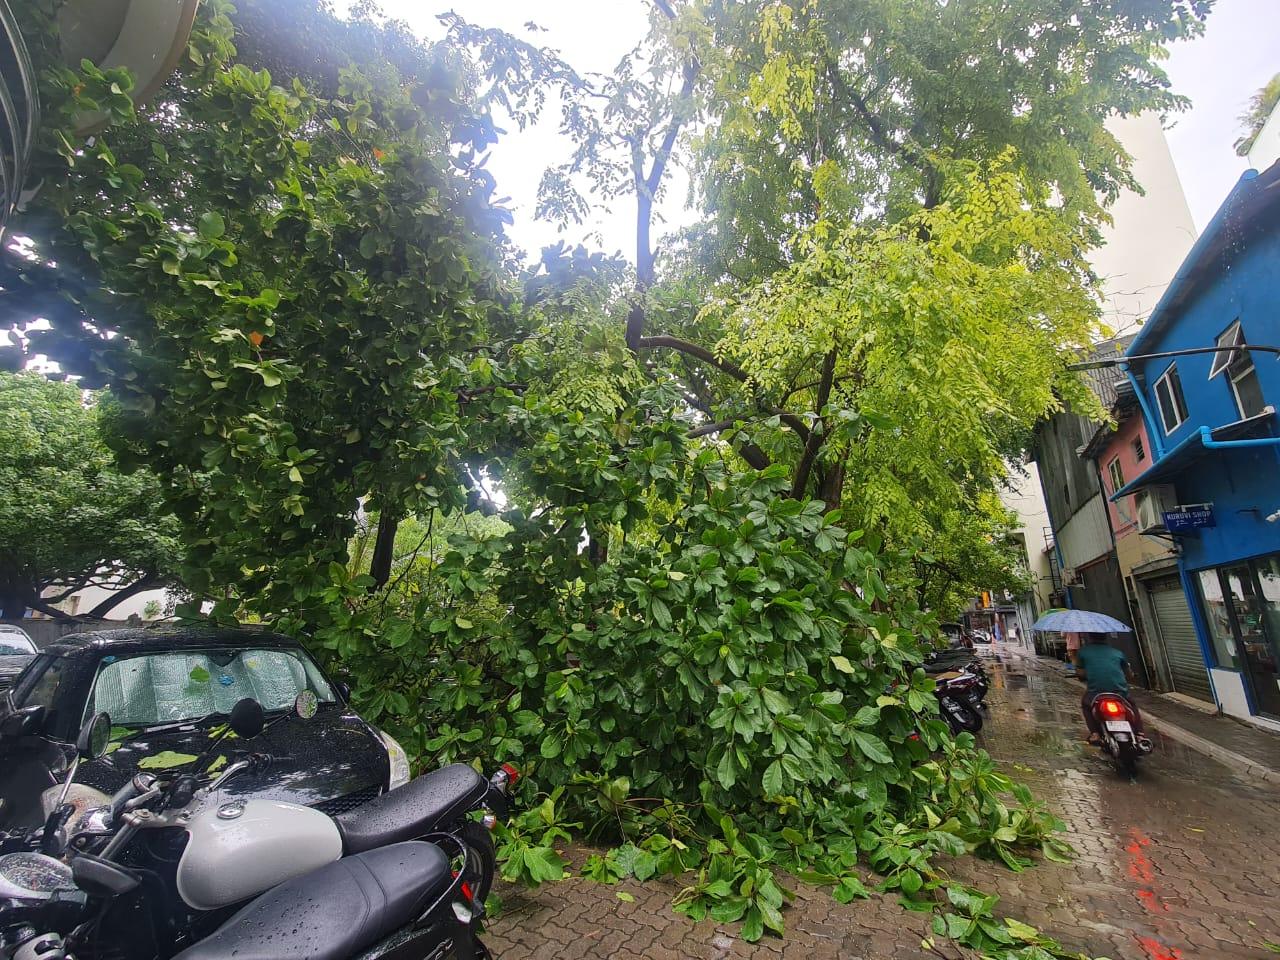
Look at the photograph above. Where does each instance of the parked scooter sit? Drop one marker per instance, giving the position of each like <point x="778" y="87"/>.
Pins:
<point x="959" y="700"/>
<point x="1114" y="716"/>
<point x="197" y="856"/>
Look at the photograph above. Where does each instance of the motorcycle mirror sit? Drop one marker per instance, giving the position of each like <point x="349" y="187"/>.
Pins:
<point x="94" y="737"/>
<point x="306" y="704"/>
<point x="247" y="718"/>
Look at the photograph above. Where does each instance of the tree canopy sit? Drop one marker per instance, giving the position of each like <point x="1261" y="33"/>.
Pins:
<point x="738" y="480"/>
<point x="69" y="517"/>
<point x="1261" y="105"/>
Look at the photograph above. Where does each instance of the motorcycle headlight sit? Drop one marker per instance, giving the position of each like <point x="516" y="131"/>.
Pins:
<point x="398" y="758"/>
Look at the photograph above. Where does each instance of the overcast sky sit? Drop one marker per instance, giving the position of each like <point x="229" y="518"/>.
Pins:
<point x="1239" y="52"/>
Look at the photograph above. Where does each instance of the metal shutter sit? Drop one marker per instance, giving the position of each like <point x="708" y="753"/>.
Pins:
<point x="1178" y="634"/>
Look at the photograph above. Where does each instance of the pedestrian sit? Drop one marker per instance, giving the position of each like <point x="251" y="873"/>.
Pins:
<point x="1104" y="669"/>
<point x="1073" y="646"/>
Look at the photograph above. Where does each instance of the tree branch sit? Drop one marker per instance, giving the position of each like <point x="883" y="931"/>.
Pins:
<point x="35" y="603"/>
<point x="812" y="445"/>
<point x="148" y="582"/>
<point x="876" y="128"/>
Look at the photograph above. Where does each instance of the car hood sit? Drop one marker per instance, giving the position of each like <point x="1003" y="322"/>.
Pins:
<point x="312" y="761"/>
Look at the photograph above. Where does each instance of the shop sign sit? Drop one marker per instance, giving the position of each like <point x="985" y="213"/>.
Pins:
<point x="1192" y="516"/>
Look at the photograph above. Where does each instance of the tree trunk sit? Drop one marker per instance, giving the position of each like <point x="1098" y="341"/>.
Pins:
<point x="384" y="550"/>
<point x="13" y="605"/>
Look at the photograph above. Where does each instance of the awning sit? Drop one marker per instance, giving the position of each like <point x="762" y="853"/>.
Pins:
<point x="1177" y="460"/>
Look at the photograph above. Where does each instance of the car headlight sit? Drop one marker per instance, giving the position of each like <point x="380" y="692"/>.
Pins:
<point x="399" y="760"/>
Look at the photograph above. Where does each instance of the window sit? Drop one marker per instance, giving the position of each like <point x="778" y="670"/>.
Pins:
<point x="1173" y="405"/>
<point x="1244" y="385"/>
<point x="1139" y="452"/>
<point x="1116" y="472"/>
<point x="1231" y="337"/>
<point x="15" y="642"/>
<point x="39" y="686"/>
<point x="173" y="686"/>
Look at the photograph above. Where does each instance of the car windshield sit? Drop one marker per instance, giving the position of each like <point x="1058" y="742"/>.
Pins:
<point x="13" y="643"/>
<point x="172" y="686"/>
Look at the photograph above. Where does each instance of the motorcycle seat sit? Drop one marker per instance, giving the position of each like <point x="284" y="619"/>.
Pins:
<point x="335" y="912"/>
<point x="422" y="805"/>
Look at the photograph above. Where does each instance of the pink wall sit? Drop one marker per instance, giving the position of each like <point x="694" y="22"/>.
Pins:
<point x="1124" y="512"/>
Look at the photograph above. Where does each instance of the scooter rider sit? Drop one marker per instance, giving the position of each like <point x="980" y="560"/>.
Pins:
<point x="1104" y="669"/>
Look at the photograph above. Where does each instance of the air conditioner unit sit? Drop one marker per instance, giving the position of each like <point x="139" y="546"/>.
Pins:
<point x="1153" y="502"/>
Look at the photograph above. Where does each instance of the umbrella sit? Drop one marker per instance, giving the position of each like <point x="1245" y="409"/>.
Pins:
<point x="1080" y="621"/>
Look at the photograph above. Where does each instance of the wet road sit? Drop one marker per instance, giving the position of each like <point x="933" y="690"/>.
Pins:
<point x="1182" y="863"/>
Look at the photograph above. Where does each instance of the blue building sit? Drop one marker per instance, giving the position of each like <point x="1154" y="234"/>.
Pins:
<point x="1213" y="486"/>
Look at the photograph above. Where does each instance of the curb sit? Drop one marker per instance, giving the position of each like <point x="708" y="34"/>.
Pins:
<point x="1245" y="766"/>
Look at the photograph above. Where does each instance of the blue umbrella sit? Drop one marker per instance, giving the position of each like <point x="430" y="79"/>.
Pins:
<point x="1080" y="621"/>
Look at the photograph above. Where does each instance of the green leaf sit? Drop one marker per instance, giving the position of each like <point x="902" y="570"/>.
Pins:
<point x="772" y="782"/>
<point x="1021" y="931"/>
<point x="842" y="664"/>
<point x="625" y="897"/>
<point x="166" y="760"/>
<point x="199" y="674"/>
<point x="211" y="226"/>
<point x="872" y="746"/>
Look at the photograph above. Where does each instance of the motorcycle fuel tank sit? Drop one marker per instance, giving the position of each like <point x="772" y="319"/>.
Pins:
<point x="239" y="848"/>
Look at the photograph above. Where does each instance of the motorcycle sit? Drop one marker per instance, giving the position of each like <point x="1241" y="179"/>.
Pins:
<point x="198" y="856"/>
<point x="960" y="696"/>
<point x="1114" y="716"/>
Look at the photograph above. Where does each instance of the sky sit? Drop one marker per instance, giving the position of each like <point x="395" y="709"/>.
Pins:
<point x="1219" y="71"/>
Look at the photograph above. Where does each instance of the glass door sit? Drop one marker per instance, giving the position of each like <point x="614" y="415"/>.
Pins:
<point x="1257" y="620"/>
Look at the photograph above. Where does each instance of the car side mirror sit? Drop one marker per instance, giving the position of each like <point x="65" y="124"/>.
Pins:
<point x="24" y="722"/>
<point x="94" y="737"/>
<point x="247" y="718"/>
<point x="306" y="704"/>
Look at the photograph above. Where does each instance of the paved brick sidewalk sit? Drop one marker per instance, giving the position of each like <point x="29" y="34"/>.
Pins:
<point x="1182" y="864"/>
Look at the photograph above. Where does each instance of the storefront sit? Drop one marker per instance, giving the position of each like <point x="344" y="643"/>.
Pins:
<point x="1241" y="604"/>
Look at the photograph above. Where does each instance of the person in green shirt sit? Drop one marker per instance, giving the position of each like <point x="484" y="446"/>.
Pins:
<point x="1104" y="669"/>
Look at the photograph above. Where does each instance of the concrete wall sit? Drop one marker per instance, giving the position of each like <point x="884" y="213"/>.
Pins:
<point x="1025" y="497"/>
<point x="1266" y="148"/>
<point x="1132" y="548"/>
<point x="1151" y="232"/>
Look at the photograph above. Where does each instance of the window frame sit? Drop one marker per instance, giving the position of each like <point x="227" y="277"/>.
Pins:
<point x="1176" y="398"/>
<point x="1115" y="472"/>
<point x="1247" y="369"/>
<point x="1222" y="358"/>
<point x="1139" y="449"/>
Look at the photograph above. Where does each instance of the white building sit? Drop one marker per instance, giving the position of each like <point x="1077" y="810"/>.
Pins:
<point x="1266" y="146"/>
<point x="1150" y="233"/>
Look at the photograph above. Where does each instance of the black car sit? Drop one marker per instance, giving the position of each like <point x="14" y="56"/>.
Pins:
<point x="16" y="651"/>
<point x="168" y="692"/>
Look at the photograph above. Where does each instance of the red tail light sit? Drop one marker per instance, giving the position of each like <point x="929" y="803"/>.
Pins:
<point x="512" y="774"/>
<point x="1112" y="708"/>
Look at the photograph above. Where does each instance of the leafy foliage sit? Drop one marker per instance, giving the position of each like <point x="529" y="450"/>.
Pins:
<point x="69" y="517"/>
<point x="1261" y="105"/>
<point x="696" y="626"/>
